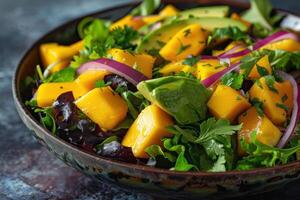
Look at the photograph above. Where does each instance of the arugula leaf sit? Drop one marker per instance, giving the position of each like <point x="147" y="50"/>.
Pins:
<point x="155" y="150"/>
<point x="233" y="79"/>
<point x="261" y="155"/>
<point x="233" y="33"/>
<point x="64" y="75"/>
<point x="147" y="7"/>
<point x="47" y="119"/>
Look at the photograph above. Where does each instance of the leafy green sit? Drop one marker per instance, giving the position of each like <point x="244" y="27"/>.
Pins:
<point x="261" y="155"/>
<point x="32" y="103"/>
<point x="135" y="101"/>
<point x="233" y="33"/>
<point x="65" y="75"/>
<point x="101" y="83"/>
<point x="106" y="141"/>
<point x="260" y="13"/>
<point x="233" y="79"/>
<point x="147" y="7"/>
<point x="183" y="98"/>
<point x="270" y="81"/>
<point x="47" y="119"/>
<point x="98" y="39"/>
<point x="203" y="146"/>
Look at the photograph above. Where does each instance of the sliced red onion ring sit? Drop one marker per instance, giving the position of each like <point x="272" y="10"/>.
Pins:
<point x="115" y="67"/>
<point x="295" y="112"/>
<point x="231" y="51"/>
<point x="214" y="78"/>
<point x="280" y="35"/>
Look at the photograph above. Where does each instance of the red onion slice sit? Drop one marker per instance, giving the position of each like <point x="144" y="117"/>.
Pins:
<point x="280" y="35"/>
<point x="115" y="67"/>
<point x="295" y="112"/>
<point x="231" y="51"/>
<point x="214" y="78"/>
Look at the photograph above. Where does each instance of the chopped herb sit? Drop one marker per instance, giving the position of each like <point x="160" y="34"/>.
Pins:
<point x="182" y="48"/>
<point x="259" y="106"/>
<point x="284" y="98"/>
<point x="187" y="32"/>
<point x="270" y="81"/>
<point x="238" y="98"/>
<point x="101" y="83"/>
<point x="258" y="83"/>
<point x="32" y="103"/>
<point x="282" y="106"/>
<point x="233" y="80"/>
<point x="233" y="33"/>
<point x="160" y="43"/>
<point x="261" y="70"/>
<point x="191" y="60"/>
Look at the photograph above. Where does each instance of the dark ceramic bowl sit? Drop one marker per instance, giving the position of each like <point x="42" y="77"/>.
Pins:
<point x="153" y="181"/>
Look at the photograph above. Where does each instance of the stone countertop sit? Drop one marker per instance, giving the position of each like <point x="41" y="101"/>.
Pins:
<point x="28" y="170"/>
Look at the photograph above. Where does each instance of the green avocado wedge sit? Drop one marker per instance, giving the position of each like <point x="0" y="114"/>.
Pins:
<point x="212" y="11"/>
<point x="154" y="39"/>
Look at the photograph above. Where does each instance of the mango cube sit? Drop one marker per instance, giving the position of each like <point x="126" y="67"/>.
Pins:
<point x="190" y="40"/>
<point x="54" y="53"/>
<point x="286" y="45"/>
<point x="227" y="103"/>
<point x="168" y="10"/>
<point x="47" y="93"/>
<point x="88" y="78"/>
<point x="175" y="67"/>
<point x="148" y="129"/>
<point x="264" y="63"/>
<point x="104" y="107"/>
<point x="128" y="20"/>
<point x="272" y="100"/>
<point x="140" y="62"/>
<point x="266" y="132"/>
<point x="207" y="68"/>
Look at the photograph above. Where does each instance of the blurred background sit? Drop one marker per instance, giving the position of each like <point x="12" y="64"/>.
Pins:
<point x="28" y="170"/>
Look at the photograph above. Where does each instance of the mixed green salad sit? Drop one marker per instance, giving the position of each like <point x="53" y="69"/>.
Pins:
<point x="202" y="89"/>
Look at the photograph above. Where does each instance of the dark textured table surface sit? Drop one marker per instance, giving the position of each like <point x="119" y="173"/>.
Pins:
<point x="27" y="170"/>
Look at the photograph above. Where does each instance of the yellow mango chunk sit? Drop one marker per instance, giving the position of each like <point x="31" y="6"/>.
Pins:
<point x="148" y="129"/>
<point x="188" y="41"/>
<point x="286" y="93"/>
<point x="152" y="18"/>
<point x="47" y="93"/>
<point x="140" y="62"/>
<point x="104" y="107"/>
<point x="233" y="44"/>
<point x="168" y="10"/>
<point x="272" y="100"/>
<point x="266" y="132"/>
<point x="176" y="67"/>
<point x="217" y="52"/>
<point x="89" y="78"/>
<point x="207" y="68"/>
<point x="286" y="45"/>
<point x="264" y="63"/>
<point x="52" y="53"/>
<point x="128" y="20"/>
<point x="227" y="103"/>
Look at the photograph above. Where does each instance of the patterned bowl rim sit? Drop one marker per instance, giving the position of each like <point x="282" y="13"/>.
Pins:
<point x="38" y="127"/>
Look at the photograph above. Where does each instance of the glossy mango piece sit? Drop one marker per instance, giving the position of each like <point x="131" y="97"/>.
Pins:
<point x="272" y="100"/>
<point x="286" y="45"/>
<point x="89" y="78"/>
<point x="128" y="20"/>
<point x="104" y="107"/>
<point x="266" y="132"/>
<point x="148" y="129"/>
<point x="207" y="68"/>
<point x="190" y="40"/>
<point x="52" y="53"/>
<point x="286" y="94"/>
<point x="140" y="62"/>
<point x="47" y="93"/>
<point x="227" y="103"/>
<point x="168" y="10"/>
<point x="264" y="63"/>
<point x="152" y="18"/>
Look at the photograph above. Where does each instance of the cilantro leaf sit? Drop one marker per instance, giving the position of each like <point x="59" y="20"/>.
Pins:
<point x="191" y="60"/>
<point x="64" y="75"/>
<point x="233" y="80"/>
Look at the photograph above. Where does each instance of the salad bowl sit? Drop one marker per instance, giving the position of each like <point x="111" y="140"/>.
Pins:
<point x="153" y="181"/>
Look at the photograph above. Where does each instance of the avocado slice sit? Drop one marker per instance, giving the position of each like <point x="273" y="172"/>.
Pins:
<point x="211" y="11"/>
<point x="155" y="39"/>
